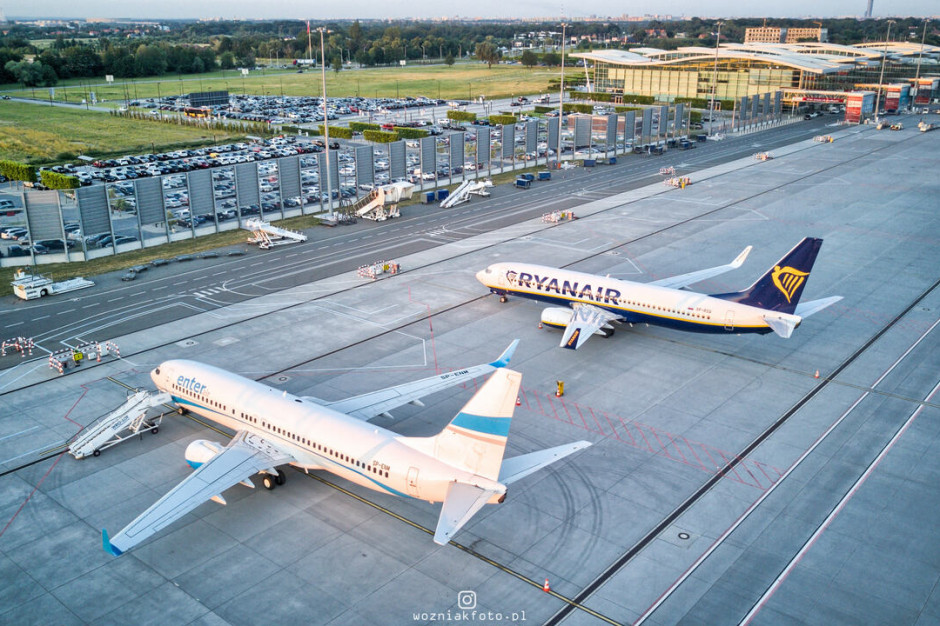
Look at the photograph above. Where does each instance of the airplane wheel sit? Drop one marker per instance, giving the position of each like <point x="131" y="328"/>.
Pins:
<point x="154" y="430"/>
<point x="503" y="299"/>
<point x="96" y="453"/>
<point x="281" y="477"/>
<point x="268" y="481"/>
<point x="182" y="411"/>
<point x="608" y="332"/>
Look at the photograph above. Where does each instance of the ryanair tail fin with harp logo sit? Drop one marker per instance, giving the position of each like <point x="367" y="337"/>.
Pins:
<point x="781" y="287"/>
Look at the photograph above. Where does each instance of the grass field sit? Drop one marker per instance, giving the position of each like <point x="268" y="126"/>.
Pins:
<point x="40" y="134"/>
<point x="463" y="81"/>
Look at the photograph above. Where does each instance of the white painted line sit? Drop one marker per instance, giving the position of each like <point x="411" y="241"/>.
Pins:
<point x="182" y="282"/>
<point x="41" y="317"/>
<point x="116" y="299"/>
<point x="19" y="433"/>
<point x="88" y="306"/>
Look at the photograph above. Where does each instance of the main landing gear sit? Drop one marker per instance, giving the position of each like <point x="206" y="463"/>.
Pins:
<point x="270" y="482"/>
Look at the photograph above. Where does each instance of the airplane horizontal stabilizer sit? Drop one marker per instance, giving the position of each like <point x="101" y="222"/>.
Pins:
<point x="462" y="502"/>
<point x="521" y="466"/>
<point x="805" y="309"/>
<point x="782" y="324"/>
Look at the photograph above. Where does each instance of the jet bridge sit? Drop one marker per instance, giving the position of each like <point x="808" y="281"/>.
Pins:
<point x="465" y="190"/>
<point x="122" y="423"/>
<point x="267" y="235"/>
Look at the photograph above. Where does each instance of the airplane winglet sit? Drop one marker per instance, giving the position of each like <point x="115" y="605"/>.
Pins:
<point x="108" y="546"/>
<point x="739" y="261"/>
<point x="504" y="358"/>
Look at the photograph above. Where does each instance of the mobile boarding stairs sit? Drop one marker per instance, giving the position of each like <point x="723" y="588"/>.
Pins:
<point x="382" y="202"/>
<point x="267" y="235"/>
<point x="122" y="423"/>
<point x="465" y="190"/>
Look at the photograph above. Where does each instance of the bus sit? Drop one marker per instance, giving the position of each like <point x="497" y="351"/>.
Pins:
<point x="197" y="112"/>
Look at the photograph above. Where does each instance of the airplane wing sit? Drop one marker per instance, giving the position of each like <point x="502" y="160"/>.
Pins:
<point x="245" y="455"/>
<point x="369" y="405"/>
<point x="684" y="280"/>
<point x="460" y="504"/>
<point x="585" y="321"/>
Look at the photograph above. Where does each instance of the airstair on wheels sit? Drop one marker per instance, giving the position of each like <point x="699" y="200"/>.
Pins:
<point x="465" y="190"/>
<point x="122" y="423"/>
<point x="382" y="202"/>
<point x="267" y="235"/>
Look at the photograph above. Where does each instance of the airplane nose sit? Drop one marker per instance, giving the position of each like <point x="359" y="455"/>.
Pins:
<point x="481" y="275"/>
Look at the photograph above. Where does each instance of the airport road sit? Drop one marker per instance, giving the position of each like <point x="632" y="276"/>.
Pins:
<point x="179" y="290"/>
<point x="726" y="483"/>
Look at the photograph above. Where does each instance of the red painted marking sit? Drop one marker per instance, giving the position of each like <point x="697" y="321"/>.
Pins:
<point x="660" y="443"/>
<point x="525" y="398"/>
<point x="628" y="433"/>
<point x="645" y="440"/>
<point x="612" y="429"/>
<point x="600" y="428"/>
<point x="32" y="493"/>
<point x="692" y="450"/>
<point x="676" y="446"/>
<point x="667" y="443"/>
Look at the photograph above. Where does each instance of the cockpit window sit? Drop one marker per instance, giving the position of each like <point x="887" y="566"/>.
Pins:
<point x="157" y="371"/>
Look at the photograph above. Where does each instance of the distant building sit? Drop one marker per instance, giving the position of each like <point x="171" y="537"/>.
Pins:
<point x="777" y="34"/>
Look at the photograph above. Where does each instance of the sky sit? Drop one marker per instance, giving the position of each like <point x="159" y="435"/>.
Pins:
<point x="427" y="9"/>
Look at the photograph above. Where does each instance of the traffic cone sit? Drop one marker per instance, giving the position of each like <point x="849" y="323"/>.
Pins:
<point x="817" y="374"/>
<point x="518" y="401"/>
<point x="545" y="587"/>
<point x="540" y="325"/>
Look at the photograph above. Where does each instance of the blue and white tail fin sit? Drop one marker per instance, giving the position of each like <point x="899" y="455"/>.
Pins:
<point x="476" y="438"/>
<point x="781" y="287"/>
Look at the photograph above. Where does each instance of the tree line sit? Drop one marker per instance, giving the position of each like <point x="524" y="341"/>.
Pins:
<point x="196" y="47"/>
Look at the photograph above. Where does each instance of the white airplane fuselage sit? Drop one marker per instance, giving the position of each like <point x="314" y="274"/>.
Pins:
<point x="316" y="436"/>
<point x="634" y="303"/>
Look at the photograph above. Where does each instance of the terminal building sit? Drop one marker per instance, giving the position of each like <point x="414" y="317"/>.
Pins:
<point x="799" y="70"/>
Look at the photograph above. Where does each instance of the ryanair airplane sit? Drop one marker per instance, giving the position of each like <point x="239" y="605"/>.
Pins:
<point x="594" y="303"/>
<point x="462" y="466"/>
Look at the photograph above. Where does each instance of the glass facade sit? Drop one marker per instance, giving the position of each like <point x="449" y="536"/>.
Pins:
<point x="736" y="78"/>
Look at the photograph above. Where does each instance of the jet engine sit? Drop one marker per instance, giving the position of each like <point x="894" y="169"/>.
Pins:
<point x="202" y="451"/>
<point x="558" y="317"/>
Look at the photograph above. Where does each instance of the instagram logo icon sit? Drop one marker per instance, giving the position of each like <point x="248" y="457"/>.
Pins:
<point x="466" y="600"/>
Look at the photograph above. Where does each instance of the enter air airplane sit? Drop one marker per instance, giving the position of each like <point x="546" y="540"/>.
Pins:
<point x="462" y="466"/>
<point x="593" y="303"/>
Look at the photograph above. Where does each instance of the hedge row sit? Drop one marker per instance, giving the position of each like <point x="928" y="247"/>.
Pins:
<point x="227" y="126"/>
<point x="502" y="119"/>
<point x="18" y="171"/>
<point x="461" y="116"/>
<point x="339" y="132"/>
<point x="575" y="107"/>
<point x="411" y="133"/>
<point x="361" y="126"/>
<point x="379" y="136"/>
<point x="54" y="180"/>
<point x="297" y="130"/>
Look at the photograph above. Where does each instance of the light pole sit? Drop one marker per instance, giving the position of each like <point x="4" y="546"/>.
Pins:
<point x="711" y="107"/>
<point x="326" y="125"/>
<point x="561" y="93"/>
<point x="881" y="78"/>
<point x="920" y="56"/>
